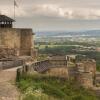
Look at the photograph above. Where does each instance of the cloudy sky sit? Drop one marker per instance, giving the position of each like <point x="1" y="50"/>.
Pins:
<point x="54" y="14"/>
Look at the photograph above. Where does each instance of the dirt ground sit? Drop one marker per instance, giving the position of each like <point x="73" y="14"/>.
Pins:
<point x="8" y="90"/>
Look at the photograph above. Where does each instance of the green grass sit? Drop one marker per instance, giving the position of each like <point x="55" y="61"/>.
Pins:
<point x="52" y="46"/>
<point x="41" y="87"/>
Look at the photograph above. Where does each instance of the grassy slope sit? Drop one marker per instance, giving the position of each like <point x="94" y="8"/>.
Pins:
<point x="41" y="87"/>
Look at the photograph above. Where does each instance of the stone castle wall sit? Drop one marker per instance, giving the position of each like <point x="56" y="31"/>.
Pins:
<point x="10" y="37"/>
<point x="87" y="66"/>
<point x="26" y="43"/>
<point x="71" y="72"/>
<point x="58" y="72"/>
<point x="84" y="72"/>
<point x="90" y="66"/>
<point x="21" y="39"/>
<point x="6" y="52"/>
<point x="84" y="79"/>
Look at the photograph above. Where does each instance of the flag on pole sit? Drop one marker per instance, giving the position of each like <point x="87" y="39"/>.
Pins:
<point x="15" y="3"/>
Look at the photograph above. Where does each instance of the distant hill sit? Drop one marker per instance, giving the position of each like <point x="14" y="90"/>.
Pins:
<point x="93" y="33"/>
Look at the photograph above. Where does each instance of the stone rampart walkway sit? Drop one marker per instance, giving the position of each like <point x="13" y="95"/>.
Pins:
<point x="8" y="90"/>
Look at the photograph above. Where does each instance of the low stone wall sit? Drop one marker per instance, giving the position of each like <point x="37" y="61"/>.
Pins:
<point x="10" y="64"/>
<point x="23" y="70"/>
<point x="58" y="72"/>
<point x="82" y="73"/>
<point x="72" y="72"/>
<point x="43" y="67"/>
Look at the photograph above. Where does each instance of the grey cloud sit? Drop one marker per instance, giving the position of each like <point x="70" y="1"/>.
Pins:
<point x="71" y="9"/>
<point x="54" y="13"/>
<point x="69" y="13"/>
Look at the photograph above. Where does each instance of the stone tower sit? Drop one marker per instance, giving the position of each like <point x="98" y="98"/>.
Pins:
<point x="20" y="40"/>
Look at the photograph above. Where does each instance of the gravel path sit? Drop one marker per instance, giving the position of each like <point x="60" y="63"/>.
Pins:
<point x="8" y="90"/>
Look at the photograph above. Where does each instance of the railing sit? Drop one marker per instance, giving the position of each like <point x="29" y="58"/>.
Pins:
<point x="41" y="66"/>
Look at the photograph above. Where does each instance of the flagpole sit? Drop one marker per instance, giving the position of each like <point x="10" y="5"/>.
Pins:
<point x="14" y="12"/>
<point x="15" y="5"/>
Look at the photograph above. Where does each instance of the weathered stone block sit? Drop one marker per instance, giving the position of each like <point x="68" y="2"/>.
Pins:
<point x="19" y="39"/>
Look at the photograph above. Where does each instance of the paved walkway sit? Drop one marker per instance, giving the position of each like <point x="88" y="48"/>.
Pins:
<point x="8" y="90"/>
